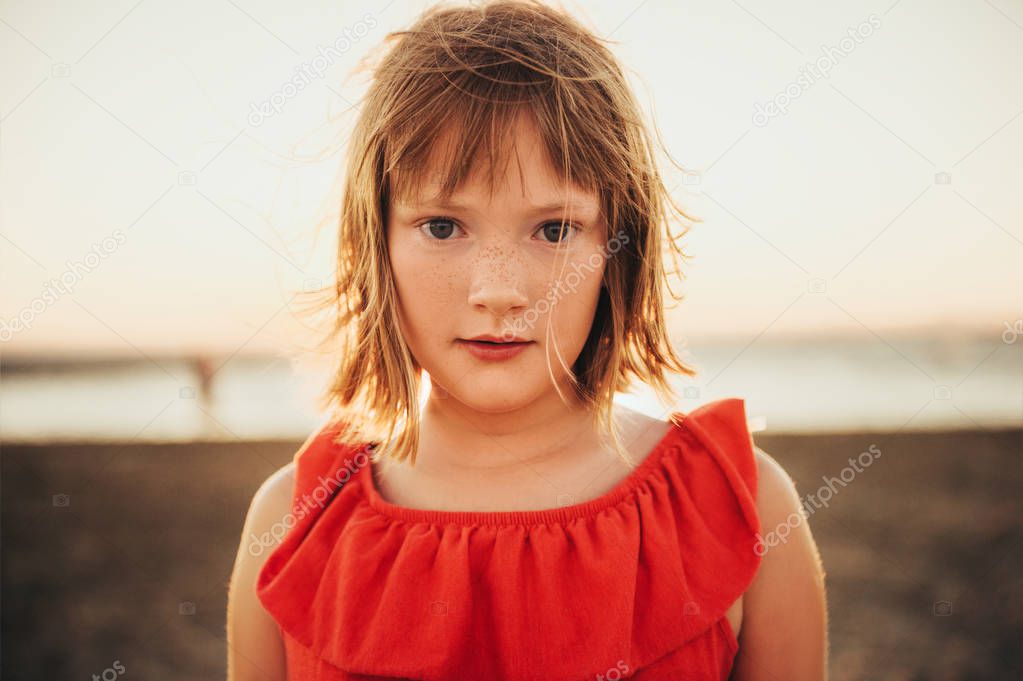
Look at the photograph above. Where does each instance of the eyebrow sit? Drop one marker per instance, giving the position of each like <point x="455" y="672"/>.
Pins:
<point x="574" y="207"/>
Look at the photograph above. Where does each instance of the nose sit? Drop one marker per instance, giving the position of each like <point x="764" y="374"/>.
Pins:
<point x="497" y="281"/>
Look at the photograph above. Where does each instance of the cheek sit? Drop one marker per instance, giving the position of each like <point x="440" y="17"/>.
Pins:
<point x="576" y="292"/>
<point x="425" y="286"/>
<point x="576" y="309"/>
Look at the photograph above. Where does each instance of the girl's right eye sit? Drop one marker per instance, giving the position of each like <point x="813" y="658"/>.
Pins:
<point x="438" y="229"/>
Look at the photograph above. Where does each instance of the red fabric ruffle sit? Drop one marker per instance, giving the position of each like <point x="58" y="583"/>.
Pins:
<point x="637" y="579"/>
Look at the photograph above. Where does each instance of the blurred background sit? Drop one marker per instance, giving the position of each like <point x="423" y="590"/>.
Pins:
<point x="168" y="181"/>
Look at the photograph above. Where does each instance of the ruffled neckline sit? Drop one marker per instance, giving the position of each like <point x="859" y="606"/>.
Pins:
<point x="561" y="514"/>
<point x="644" y="573"/>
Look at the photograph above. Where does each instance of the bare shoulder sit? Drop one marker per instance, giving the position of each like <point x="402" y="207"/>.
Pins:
<point x="272" y="500"/>
<point x="784" y="633"/>
<point x="255" y="646"/>
<point x="784" y="521"/>
<point x="776" y="492"/>
<point x="267" y="512"/>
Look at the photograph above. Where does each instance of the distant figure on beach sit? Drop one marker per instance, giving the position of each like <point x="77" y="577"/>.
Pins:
<point x="204" y="371"/>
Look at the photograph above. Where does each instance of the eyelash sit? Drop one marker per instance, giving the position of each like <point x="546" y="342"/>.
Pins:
<point x="571" y="229"/>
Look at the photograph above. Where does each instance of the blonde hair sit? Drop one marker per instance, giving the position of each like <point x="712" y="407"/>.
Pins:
<point x="471" y="71"/>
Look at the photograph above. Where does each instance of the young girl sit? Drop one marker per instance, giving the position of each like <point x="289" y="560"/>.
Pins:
<point x="502" y="231"/>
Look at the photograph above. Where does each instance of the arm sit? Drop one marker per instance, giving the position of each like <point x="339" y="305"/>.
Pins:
<point x="255" y="650"/>
<point x="784" y="632"/>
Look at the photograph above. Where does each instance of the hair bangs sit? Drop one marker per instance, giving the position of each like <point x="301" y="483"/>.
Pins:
<point x="435" y="157"/>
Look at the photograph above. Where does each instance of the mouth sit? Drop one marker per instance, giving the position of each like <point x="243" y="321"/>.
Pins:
<point x="490" y="348"/>
<point x="495" y="340"/>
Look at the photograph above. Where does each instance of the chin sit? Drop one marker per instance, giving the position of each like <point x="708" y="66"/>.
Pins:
<point x="495" y="393"/>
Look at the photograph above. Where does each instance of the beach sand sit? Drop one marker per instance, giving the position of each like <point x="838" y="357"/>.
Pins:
<point x="922" y="551"/>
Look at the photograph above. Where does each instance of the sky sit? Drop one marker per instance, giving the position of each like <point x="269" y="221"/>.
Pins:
<point x="853" y="165"/>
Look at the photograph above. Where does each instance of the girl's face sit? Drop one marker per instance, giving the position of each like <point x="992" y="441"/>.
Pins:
<point x="490" y="266"/>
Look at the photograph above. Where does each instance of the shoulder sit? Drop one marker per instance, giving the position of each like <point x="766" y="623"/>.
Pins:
<point x="255" y="647"/>
<point x="784" y="631"/>
<point x="776" y="492"/>
<point x="273" y="498"/>
<point x="784" y="521"/>
<point x="268" y="509"/>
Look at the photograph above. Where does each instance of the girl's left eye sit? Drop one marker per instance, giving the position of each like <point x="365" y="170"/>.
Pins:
<point x="558" y="232"/>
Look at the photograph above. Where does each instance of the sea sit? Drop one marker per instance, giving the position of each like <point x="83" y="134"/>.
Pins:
<point x="899" y="383"/>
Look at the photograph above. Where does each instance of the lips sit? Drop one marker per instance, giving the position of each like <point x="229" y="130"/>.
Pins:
<point x="490" y="348"/>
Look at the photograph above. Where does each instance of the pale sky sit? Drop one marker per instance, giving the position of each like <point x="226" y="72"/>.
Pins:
<point x="127" y="132"/>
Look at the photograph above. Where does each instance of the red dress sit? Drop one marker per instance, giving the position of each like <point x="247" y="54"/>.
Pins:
<point x="632" y="584"/>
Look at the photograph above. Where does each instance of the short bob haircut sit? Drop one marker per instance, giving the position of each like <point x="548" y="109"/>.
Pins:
<point x="464" y="74"/>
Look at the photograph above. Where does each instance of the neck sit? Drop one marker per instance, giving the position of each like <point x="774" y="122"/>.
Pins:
<point x="530" y="458"/>
<point x="457" y="440"/>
